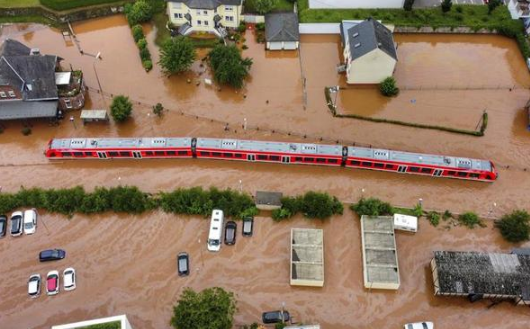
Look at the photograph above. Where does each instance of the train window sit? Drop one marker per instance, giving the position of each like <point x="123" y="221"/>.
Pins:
<point x="262" y="157"/>
<point x="366" y="164"/>
<point x="125" y="154"/>
<point x="274" y="158"/>
<point x="113" y="154"/>
<point x="355" y="163"/>
<point x="462" y="174"/>
<point x="160" y="153"/>
<point x="228" y="155"/>
<point x="378" y="165"/>
<point x="332" y="161"/>
<point x="389" y="166"/>
<point x="148" y="153"/>
<point x="298" y="159"/>
<point x="426" y="170"/>
<point x="171" y="153"/>
<point x="414" y="169"/>
<point x="88" y="154"/>
<point x="78" y="154"/>
<point x="309" y="159"/>
<point x="321" y="160"/>
<point x="182" y="152"/>
<point x="207" y="154"/>
<point x="472" y="175"/>
<point x="67" y="154"/>
<point x="238" y="155"/>
<point x="452" y="173"/>
<point x="216" y="154"/>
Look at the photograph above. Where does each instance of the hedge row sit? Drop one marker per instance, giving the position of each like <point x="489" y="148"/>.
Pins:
<point x="312" y="205"/>
<point x="129" y="199"/>
<point x="61" y="5"/>
<point x="141" y="43"/>
<point x="479" y="132"/>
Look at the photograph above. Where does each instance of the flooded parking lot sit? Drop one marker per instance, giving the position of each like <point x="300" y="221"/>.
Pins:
<point x="107" y="249"/>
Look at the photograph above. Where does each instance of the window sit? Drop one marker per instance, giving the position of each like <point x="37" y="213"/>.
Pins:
<point x="228" y="155"/>
<point x="473" y="175"/>
<point x="67" y="103"/>
<point x="205" y="12"/>
<point x="198" y="12"/>
<point x="366" y="164"/>
<point x="238" y="155"/>
<point x="357" y="45"/>
<point x="452" y="173"/>
<point x="216" y="154"/>
<point x="229" y="8"/>
<point x="199" y="22"/>
<point x="321" y="160"/>
<point x="178" y="15"/>
<point x="229" y="18"/>
<point x="332" y="161"/>
<point x="262" y="157"/>
<point x="67" y="154"/>
<point x="171" y="153"/>
<point x="274" y="158"/>
<point x="426" y="170"/>
<point x="462" y="174"/>
<point x="113" y="154"/>
<point x="148" y="153"/>
<point x="298" y="159"/>
<point x="125" y="154"/>
<point x="356" y="34"/>
<point x="207" y="154"/>
<point x="355" y="163"/>
<point x="182" y="152"/>
<point x="389" y="166"/>
<point x="309" y="159"/>
<point x="160" y="153"/>
<point x="378" y="165"/>
<point x="88" y="154"/>
<point x="205" y="23"/>
<point x="414" y="169"/>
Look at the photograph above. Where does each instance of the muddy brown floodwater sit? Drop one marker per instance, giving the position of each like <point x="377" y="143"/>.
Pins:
<point x="126" y="264"/>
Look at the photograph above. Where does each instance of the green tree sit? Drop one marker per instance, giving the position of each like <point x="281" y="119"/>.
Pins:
<point x="138" y="32"/>
<point x="408" y="5"/>
<point x="264" y="6"/>
<point x="228" y="65"/>
<point x="470" y="219"/>
<point x="158" y="109"/>
<point x="176" y="55"/>
<point x="446" y="5"/>
<point x="515" y="227"/>
<point x="121" y="108"/>
<point x="372" y="207"/>
<point x="139" y="12"/>
<point x="211" y="308"/>
<point x="492" y="4"/>
<point x="388" y="87"/>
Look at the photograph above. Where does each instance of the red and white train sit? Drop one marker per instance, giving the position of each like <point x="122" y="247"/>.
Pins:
<point x="276" y="152"/>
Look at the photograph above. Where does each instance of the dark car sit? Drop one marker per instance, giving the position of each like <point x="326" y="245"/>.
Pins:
<point x="16" y="223"/>
<point x="183" y="264"/>
<point x="248" y="226"/>
<point x="275" y="317"/>
<point x="51" y="254"/>
<point x="230" y="233"/>
<point x="3" y="225"/>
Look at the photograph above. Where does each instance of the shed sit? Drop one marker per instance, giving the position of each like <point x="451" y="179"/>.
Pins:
<point x="268" y="200"/>
<point x="94" y="116"/>
<point x="380" y="263"/>
<point x="406" y="223"/>
<point x="281" y="31"/>
<point x="62" y="78"/>
<point x="307" y="257"/>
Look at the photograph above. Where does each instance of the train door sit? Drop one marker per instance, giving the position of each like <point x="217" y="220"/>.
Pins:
<point x="402" y="169"/>
<point x="251" y="157"/>
<point x="286" y="159"/>
<point x="102" y="155"/>
<point x="137" y="155"/>
<point x="438" y="172"/>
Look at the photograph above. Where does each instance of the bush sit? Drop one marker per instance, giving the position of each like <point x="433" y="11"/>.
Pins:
<point x="139" y="12"/>
<point x="446" y="5"/>
<point x="148" y="65"/>
<point x="446" y="215"/>
<point x="388" y="87"/>
<point x="470" y="219"/>
<point x="280" y="214"/>
<point x="176" y="55"/>
<point x="260" y="26"/>
<point x="145" y="54"/>
<point x="138" y="32"/>
<point x="434" y="218"/>
<point x="320" y="205"/>
<point x="408" y="5"/>
<point x="245" y="47"/>
<point x="280" y="325"/>
<point x="228" y="65"/>
<point x="121" y="108"/>
<point x="158" y="109"/>
<point x="26" y="131"/>
<point x="264" y="6"/>
<point x="242" y="27"/>
<point x="515" y="227"/>
<point x="372" y="207"/>
<point x="142" y="44"/>
<point x="492" y="4"/>
<point x="459" y="9"/>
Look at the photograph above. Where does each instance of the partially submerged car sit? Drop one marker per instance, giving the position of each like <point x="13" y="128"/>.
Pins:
<point x="69" y="279"/>
<point x="34" y="285"/>
<point x="51" y="254"/>
<point x="30" y="221"/>
<point x="3" y="225"/>
<point x="275" y="317"/>
<point x="16" y="223"/>
<point x="183" y="264"/>
<point x="419" y="325"/>
<point x="52" y="283"/>
<point x="230" y="233"/>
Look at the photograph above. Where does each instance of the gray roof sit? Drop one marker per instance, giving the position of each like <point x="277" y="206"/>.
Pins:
<point x="281" y="27"/>
<point x="207" y="4"/>
<point x="369" y="35"/>
<point x="12" y="110"/>
<point x="269" y="198"/>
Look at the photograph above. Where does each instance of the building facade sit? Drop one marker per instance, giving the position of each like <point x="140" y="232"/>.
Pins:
<point x="210" y="16"/>
<point x="336" y="4"/>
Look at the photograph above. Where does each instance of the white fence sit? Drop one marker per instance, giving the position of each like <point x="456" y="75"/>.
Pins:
<point x="122" y="319"/>
<point x="254" y="19"/>
<point x="319" y="28"/>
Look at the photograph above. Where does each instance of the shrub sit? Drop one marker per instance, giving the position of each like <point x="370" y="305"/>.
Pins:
<point x="142" y="43"/>
<point x="260" y="26"/>
<point x="446" y="215"/>
<point x="158" y="109"/>
<point x="280" y="214"/>
<point x="121" y="108"/>
<point x="459" y="9"/>
<point x="408" y="5"/>
<point x="138" y="32"/>
<point x="145" y="54"/>
<point x="128" y="199"/>
<point x="492" y="4"/>
<point x="372" y="207"/>
<point x="228" y="65"/>
<point x="388" y="87"/>
<point x="434" y="218"/>
<point x="245" y="47"/>
<point x="470" y="219"/>
<point x="515" y="227"/>
<point x="26" y="131"/>
<point x="280" y="325"/>
<point x="176" y="55"/>
<point x="148" y="65"/>
<point x="446" y="5"/>
<point x="139" y="12"/>
<point x="320" y="205"/>
<point x="264" y="6"/>
<point x="242" y="27"/>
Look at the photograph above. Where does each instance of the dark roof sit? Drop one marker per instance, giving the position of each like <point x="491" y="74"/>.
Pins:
<point x="369" y="35"/>
<point x="281" y="27"/>
<point x="11" y="110"/>
<point x="482" y="273"/>
<point x="269" y="198"/>
<point x="207" y="4"/>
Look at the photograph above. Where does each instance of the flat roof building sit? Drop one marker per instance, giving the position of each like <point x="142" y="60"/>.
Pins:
<point x="307" y="257"/>
<point x="380" y="263"/>
<point x="482" y="275"/>
<point x="268" y="200"/>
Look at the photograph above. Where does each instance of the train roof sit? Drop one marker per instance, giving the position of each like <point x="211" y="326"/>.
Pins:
<point x="261" y="146"/>
<point x="102" y="143"/>
<point x="419" y="158"/>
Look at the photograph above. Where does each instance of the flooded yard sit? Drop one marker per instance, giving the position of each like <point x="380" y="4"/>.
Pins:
<point x="126" y="264"/>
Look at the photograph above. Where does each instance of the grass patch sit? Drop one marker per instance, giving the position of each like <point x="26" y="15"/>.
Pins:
<point x="162" y="33"/>
<point x="281" y="5"/>
<point x="109" y="325"/>
<point x="61" y="5"/>
<point x="18" y="3"/>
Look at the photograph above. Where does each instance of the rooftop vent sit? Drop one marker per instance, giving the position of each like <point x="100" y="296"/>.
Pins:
<point x="357" y="45"/>
<point x="356" y="34"/>
<point x="34" y="52"/>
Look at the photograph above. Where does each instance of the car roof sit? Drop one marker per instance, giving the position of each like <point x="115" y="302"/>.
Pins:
<point x="68" y="278"/>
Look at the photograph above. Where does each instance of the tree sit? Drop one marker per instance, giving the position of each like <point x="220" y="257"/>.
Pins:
<point x="139" y="12"/>
<point x="176" y="55"/>
<point x="158" y="109"/>
<point x="211" y="308"/>
<point x="408" y="5"/>
<point x="446" y="5"/>
<point x="492" y="4"/>
<point x="515" y="227"/>
<point x="121" y="108"/>
<point x="372" y="207"/>
<point x="228" y="65"/>
<point x="388" y="87"/>
<point x="264" y="6"/>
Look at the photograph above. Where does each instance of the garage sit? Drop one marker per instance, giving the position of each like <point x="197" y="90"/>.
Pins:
<point x="281" y="31"/>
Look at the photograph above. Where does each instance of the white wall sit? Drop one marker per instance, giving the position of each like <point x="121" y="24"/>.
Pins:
<point x="122" y="318"/>
<point x="336" y="4"/>
<point x="371" y="68"/>
<point x="179" y="9"/>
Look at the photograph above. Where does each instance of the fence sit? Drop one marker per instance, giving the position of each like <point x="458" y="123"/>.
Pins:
<point x="62" y="17"/>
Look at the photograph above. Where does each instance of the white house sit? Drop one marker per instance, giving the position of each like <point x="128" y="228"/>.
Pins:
<point x="339" y="4"/>
<point x="211" y="16"/>
<point x="281" y="31"/>
<point x="519" y="8"/>
<point x="369" y="51"/>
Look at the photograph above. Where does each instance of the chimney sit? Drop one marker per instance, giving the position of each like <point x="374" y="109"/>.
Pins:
<point x="34" y="52"/>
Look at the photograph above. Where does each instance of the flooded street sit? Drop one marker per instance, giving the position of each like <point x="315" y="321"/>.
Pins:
<point x="127" y="264"/>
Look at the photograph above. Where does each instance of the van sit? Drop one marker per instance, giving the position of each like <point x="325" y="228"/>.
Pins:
<point x="30" y="221"/>
<point x="216" y="228"/>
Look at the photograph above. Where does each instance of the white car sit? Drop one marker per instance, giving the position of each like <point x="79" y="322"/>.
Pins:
<point x="34" y="286"/>
<point x="52" y="283"/>
<point x="69" y="279"/>
<point x="419" y="325"/>
<point x="30" y="221"/>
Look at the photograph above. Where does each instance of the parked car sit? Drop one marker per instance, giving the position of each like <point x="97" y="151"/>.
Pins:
<point x="69" y="279"/>
<point x="275" y="317"/>
<point x="52" y="283"/>
<point x="34" y="285"/>
<point x="419" y="325"/>
<point x="248" y="226"/>
<point x="3" y="225"/>
<point x="230" y="233"/>
<point x="183" y="264"/>
<point x="16" y="223"/>
<point x="30" y="221"/>
<point x="51" y="254"/>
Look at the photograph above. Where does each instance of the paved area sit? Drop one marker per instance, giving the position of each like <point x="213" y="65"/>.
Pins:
<point x="435" y="3"/>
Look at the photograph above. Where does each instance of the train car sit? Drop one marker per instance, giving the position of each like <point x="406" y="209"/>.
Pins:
<point x="120" y="148"/>
<point x="421" y="164"/>
<point x="274" y="152"/>
<point x="245" y="150"/>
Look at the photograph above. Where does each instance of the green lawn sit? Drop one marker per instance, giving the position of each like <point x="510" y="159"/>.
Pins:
<point x="281" y="5"/>
<point x="61" y="5"/>
<point x="18" y="3"/>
